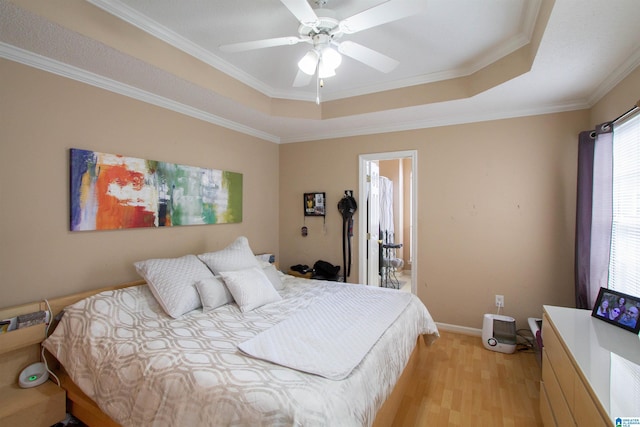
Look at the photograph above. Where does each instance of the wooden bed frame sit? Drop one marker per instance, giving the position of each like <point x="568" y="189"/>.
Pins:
<point x="87" y="411"/>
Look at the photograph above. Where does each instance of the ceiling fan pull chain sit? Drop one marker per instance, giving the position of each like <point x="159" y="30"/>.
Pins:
<point x="318" y="80"/>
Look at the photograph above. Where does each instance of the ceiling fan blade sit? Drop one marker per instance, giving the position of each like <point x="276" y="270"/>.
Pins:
<point x="260" y="44"/>
<point x="389" y="11"/>
<point x="302" y="79"/>
<point x="368" y="56"/>
<point x="301" y="10"/>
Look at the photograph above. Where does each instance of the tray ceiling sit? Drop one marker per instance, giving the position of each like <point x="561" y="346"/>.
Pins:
<point x="459" y="60"/>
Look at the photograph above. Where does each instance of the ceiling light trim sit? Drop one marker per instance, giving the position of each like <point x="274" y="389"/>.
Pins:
<point x="40" y="62"/>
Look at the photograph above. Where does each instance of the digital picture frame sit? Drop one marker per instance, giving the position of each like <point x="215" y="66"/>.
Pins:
<point x="618" y="309"/>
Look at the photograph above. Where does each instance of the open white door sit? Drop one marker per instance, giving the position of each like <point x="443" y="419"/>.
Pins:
<point x="373" y="223"/>
<point x="368" y="243"/>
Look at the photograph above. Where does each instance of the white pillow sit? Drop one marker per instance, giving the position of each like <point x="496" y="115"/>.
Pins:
<point x="213" y="293"/>
<point x="236" y="256"/>
<point x="262" y="262"/>
<point x="274" y="276"/>
<point x="250" y="288"/>
<point x="172" y="281"/>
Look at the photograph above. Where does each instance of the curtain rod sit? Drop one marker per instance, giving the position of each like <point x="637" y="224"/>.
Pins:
<point x="623" y="115"/>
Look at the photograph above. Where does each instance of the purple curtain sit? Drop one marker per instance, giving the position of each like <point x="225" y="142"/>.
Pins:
<point x="586" y="145"/>
<point x="593" y="213"/>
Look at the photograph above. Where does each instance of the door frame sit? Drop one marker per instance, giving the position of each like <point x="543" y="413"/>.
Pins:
<point x="362" y="215"/>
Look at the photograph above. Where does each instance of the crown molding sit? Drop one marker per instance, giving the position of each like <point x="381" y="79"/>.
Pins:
<point x="445" y="121"/>
<point x="138" y="20"/>
<point x="503" y="50"/>
<point x="56" y="67"/>
<point x="616" y="76"/>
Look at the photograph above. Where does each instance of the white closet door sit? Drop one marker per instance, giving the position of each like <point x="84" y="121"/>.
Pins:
<point x="373" y="223"/>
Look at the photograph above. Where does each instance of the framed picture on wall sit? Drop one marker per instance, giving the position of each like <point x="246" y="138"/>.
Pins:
<point x="114" y="192"/>
<point x="618" y="309"/>
<point x="314" y="204"/>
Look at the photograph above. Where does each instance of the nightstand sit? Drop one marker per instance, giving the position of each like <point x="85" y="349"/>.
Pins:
<point x="307" y="275"/>
<point x="311" y="275"/>
<point x="40" y="406"/>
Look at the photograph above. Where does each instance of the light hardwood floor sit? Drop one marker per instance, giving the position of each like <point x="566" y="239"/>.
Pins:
<point x="460" y="383"/>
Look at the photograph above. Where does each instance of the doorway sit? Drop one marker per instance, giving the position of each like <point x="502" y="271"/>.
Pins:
<point x="368" y="235"/>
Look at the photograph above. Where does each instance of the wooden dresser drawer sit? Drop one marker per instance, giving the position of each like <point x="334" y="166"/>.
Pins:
<point x="585" y="410"/>
<point x="560" y="406"/>
<point x="545" y="408"/>
<point x="560" y="362"/>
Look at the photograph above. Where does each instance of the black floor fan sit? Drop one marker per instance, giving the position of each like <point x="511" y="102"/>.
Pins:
<point x="347" y="207"/>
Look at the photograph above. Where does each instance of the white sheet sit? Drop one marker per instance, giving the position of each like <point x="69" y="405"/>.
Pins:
<point x="331" y="337"/>
<point x="144" y="368"/>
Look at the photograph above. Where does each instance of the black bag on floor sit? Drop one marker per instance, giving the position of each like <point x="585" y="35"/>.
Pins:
<point x="325" y="270"/>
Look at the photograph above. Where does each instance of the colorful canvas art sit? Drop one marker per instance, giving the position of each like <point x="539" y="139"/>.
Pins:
<point x="110" y="191"/>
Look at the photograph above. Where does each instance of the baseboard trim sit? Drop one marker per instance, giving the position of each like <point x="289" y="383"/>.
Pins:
<point x="459" y="329"/>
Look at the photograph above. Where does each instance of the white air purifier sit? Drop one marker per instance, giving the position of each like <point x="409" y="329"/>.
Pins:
<point x="499" y="333"/>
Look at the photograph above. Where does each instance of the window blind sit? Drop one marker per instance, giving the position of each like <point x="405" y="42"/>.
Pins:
<point x="624" y="264"/>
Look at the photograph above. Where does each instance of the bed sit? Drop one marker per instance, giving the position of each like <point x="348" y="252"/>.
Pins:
<point x="142" y="366"/>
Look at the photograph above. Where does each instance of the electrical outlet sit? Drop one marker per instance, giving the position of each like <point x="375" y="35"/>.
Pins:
<point x="500" y="301"/>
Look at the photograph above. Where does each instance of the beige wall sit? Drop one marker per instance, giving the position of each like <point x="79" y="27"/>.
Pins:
<point x="44" y="115"/>
<point x="496" y="207"/>
<point x="496" y="199"/>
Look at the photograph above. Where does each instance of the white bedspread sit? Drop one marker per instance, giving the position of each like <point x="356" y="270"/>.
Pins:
<point x="144" y="368"/>
<point x="332" y="336"/>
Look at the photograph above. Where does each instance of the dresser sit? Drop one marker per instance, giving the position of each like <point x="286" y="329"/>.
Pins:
<point x="590" y="370"/>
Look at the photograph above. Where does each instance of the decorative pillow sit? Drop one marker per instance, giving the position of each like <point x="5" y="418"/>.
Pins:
<point x="266" y="258"/>
<point x="236" y="256"/>
<point x="172" y="281"/>
<point x="250" y="288"/>
<point x="274" y="276"/>
<point x="213" y="293"/>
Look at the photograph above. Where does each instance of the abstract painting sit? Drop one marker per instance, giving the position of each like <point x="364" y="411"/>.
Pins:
<point x="110" y="191"/>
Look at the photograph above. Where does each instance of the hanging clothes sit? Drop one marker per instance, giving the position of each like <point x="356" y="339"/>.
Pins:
<point x="389" y="262"/>
<point x="386" y="210"/>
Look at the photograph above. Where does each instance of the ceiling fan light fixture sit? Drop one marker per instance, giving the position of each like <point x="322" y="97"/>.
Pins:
<point x="325" y="71"/>
<point x="322" y="29"/>
<point x="308" y="63"/>
<point x="331" y="58"/>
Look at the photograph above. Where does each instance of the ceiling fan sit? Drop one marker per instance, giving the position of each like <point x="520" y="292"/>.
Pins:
<point x="322" y="30"/>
